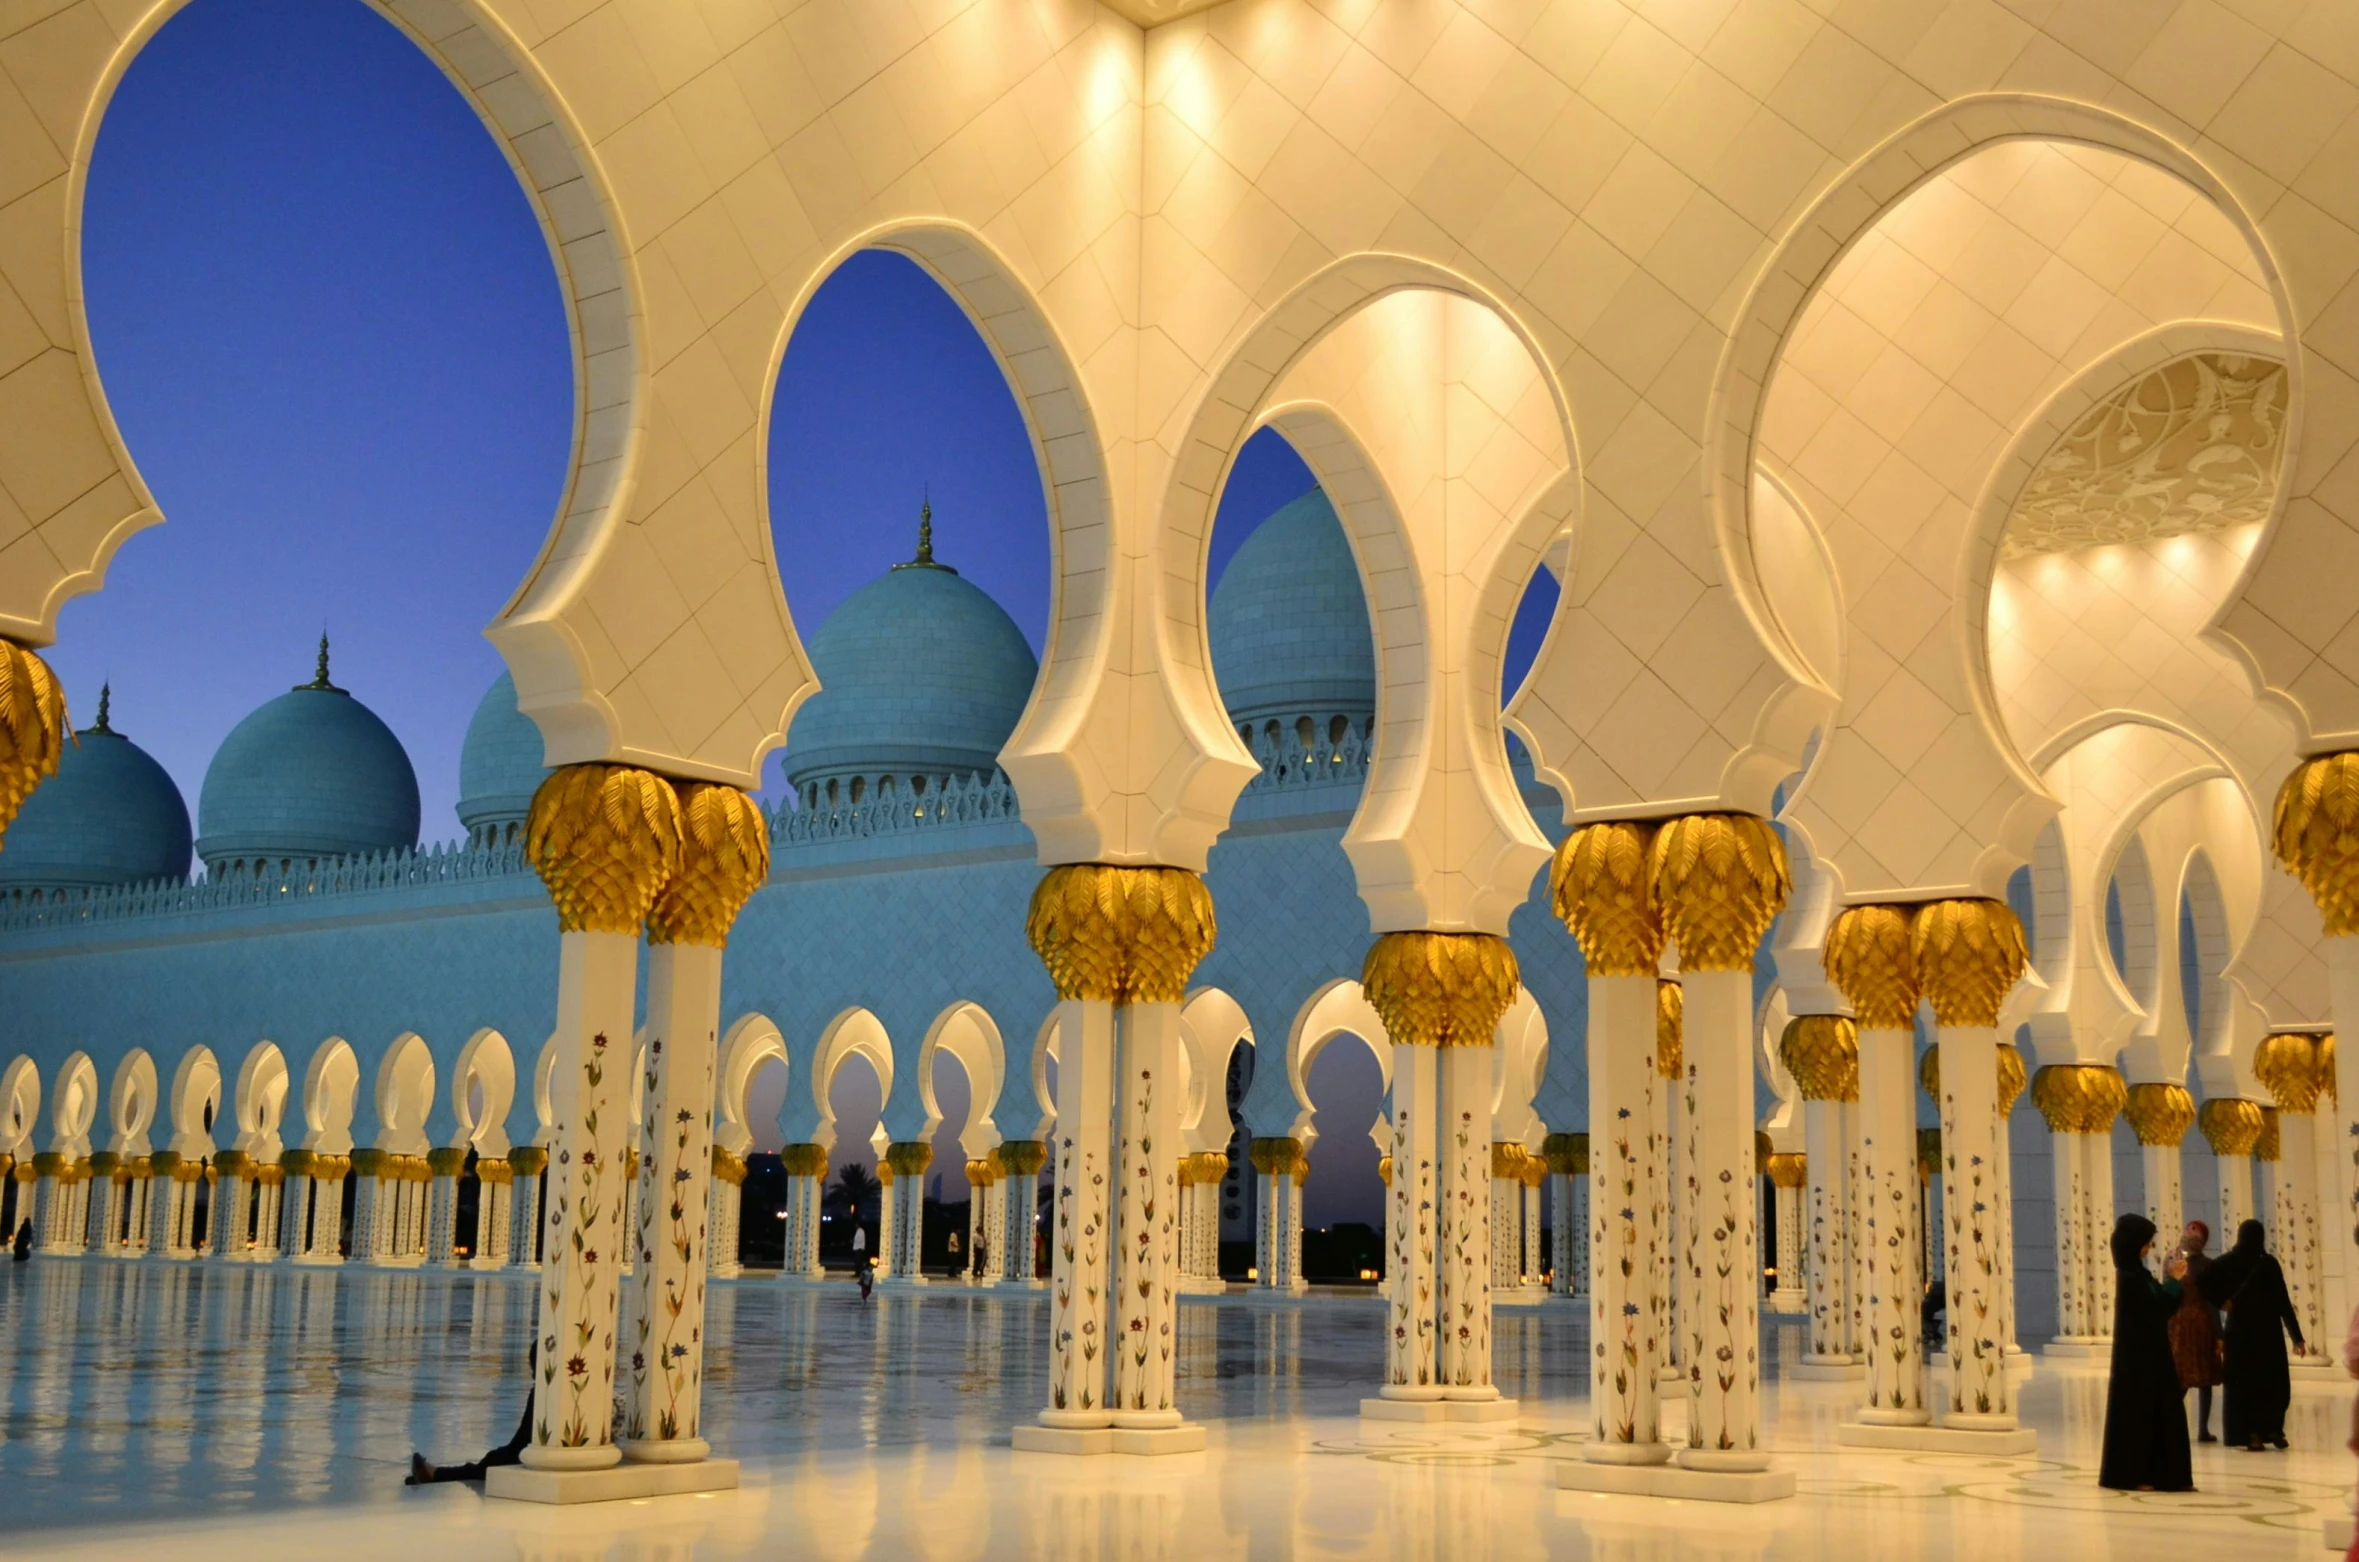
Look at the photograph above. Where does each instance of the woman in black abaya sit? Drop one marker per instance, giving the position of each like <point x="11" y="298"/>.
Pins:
<point x="2145" y="1410"/>
<point x="2251" y="1286"/>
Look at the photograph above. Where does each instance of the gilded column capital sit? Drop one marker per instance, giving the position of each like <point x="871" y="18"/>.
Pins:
<point x="1121" y="935"/>
<point x="979" y="1172"/>
<point x="605" y="839"/>
<point x="105" y="1163"/>
<point x="2013" y="1077"/>
<point x="1216" y="1165"/>
<point x="2160" y="1114"/>
<point x="1440" y="989"/>
<point x="1384" y="1170"/>
<point x="2315" y="828"/>
<point x="2230" y="1126"/>
<point x="724" y="858"/>
<point x="1789" y="1170"/>
<point x="1275" y="1157"/>
<point x="1507" y="1160"/>
<point x="1821" y="1051"/>
<point x="295" y="1162"/>
<point x="446" y="1161"/>
<point x="1670" y="1028"/>
<point x="1567" y="1155"/>
<point x="1720" y="880"/>
<point x="1867" y="958"/>
<point x="1025" y="1157"/>
<point x="2287" y="1065"/>
<point x="1534" y="1172"/>
<point x="1601" y="886"/>
<point x="2079" y="1098"/>
<point x="1928" y="1154"/>
<point x="803" y="1160"/>
<point x="530" y="1160"/>
<point x="32" y="726"/>
<point x="2266" y="1146"/>
<point x="909" y="1157"/>
<point x="1966" y="955"/>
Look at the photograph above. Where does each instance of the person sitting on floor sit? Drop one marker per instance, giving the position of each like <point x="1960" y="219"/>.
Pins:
<point x="509" y="1452"/>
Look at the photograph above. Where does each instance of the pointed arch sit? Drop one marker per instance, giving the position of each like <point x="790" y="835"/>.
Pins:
<point x="331" y="1096"/>
<point x="404" y="1095"/>
<point x="486" y="1064"/>
<point x="854" y="1031"/>
<point x="752" y="1041"/>
<point x="132" y="1100"/>
<point x="20" y="1106"/>
<point x="195" y="1094"/>
<point x="966" y="1031"/>
<point x="259" y="1101"/>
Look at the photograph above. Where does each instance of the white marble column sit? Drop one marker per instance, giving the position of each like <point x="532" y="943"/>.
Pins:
<point x="495" y="1183"/>
<point x="1412" y="1366"/>
<point x="1821" y="1051"/>
<point x="888" y="1210"/>
<point x="2160" y="1113"/>
<point x="1535" y="1173"/>
<point x="911" y="1161"/>
<point x="664" y="1393"/>
<point x="1789" y="1180"/>
<point x="1507" y="1198"/>
<point x="2291" y="1065"/>
<point x="1024" y="1158"/>
<point x="1277" y="1242"/>
<point x="1721" y="1307"/>
<point x="1146" y="1270"/>
<point x="444" y="1166"/>
<point x="1464" y="1238"/>
<point x="2232" y="1128"/>
<point x="530" y="1163"/>
<point x="1625" y="1221"/>
<point x="1981" y="1397"/>
<point x="1888" y="1227"/>
<point x="1567" y="1157"/>
<point x="1080" y="1239"/>
<point x="2013" y="1078"/>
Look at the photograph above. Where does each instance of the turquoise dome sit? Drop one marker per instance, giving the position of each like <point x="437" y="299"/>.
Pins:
<point x="921" y="674"/>
<point x="109" y="816"/>
<point x="499" y="765"/>
<point x="1289" y="622"/>
<point x="312" y="774"/>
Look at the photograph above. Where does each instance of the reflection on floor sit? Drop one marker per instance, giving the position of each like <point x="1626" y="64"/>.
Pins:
<point x="202" y="1411"/>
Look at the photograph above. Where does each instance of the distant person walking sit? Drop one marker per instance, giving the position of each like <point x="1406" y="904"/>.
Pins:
<point x="23" y="1246"/>
<point x="2195" y="1329"/>
<point x="2249" y="1285"/>
<point x="2145" y="1414"/>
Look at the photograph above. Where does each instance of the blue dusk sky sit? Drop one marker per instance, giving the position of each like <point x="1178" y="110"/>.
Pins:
<point x="327" y="322"/>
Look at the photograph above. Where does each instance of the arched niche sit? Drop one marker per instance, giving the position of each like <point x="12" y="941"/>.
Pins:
<point x="483" y="1087"/>
<point x="331" y="1097"/>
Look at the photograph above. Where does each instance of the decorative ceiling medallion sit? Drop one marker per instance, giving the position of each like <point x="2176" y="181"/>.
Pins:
<point x="2193" y="446"/>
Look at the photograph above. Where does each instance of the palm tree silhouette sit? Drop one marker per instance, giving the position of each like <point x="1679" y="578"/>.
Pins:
<point x="855" y="1193"/>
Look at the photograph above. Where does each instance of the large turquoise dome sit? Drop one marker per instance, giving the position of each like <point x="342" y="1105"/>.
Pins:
<point x="921" y="674"/>
<point x="499" y="766"/>
<point x="312" y="774"/>
<point x="1289" y="622"/>
<point x="109" y="816"/>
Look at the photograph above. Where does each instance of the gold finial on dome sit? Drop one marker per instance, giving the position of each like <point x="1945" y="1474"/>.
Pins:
<point x="925" y="540"/>
<point x="319" y="674"/>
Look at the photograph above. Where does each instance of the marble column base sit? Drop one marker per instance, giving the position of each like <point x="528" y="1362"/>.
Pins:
<point x="2318" y="1374"/>
<point x="1518" y="1298"/>
<point x="1828" y="1371"/>
<point x="1789" y="1301"/>
<point x="1664" y="1480"/>
<point x="1670" y="1374"/>
<point x="1938" y="1439"/>
<point x="1429" y="1410"/>
<point x="903" y="1282"/>
<point x="1186" y="1438"/>
<point x="2067" y="1348"/>
<point x="615" y="1483"/>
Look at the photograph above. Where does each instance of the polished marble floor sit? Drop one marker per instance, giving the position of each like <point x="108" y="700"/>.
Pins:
<point x="205" y="1412"/>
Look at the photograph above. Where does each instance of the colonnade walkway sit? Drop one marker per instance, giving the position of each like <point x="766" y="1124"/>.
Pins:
<point x="207" y="1412"/>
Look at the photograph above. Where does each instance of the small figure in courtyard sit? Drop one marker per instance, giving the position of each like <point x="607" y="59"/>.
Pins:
<point x="867" y="1281"/>
<point x="509" y="1452"/>
<point x="981" y="1266"/>
<point x="2195" y="1329"/>
<point x="2145" y="1408"/>
<point x="22" y="1248"/>
<point x="2249" y="1285"/>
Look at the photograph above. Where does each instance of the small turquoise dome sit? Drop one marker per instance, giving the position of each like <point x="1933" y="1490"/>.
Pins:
<point x="921" y="674"/>
<point x="109" y="816"/>
<point x="499" y="765"/>
<point x="1289" y="622"/>
<point x="312" y="774"/>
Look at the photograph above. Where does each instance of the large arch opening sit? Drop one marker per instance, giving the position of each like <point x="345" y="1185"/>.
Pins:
<point x="1933" y="335"/>
<point x="852" y="1078"/>
<point x="333" y="328"/>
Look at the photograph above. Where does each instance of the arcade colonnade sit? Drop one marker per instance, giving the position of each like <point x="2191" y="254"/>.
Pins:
<point x="1807" y="369"/>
